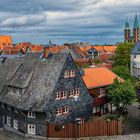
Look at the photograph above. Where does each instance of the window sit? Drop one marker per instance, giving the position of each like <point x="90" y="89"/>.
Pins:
<point x="77" y="91"/>
<point x="31" y="114"/>
<point x="71" y="93"/>
<point x="15" y="124"/>
<point x="59" y="111"/>
<point x="72" y="73"/>
<point x="102" y="92"/>
<point x="31" y="129"/>
<point x="58" y="96"/>
<point x="66" y="75"/>
<point x="8" y="121"/>
<point x="65" y="110"/>
<point x="69" y="73"/>
<point x="63" y="94"/>
<point x="82" y="121"/>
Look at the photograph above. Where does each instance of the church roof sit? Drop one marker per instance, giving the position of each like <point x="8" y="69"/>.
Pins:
<point x="136" y="24"/>
<point x="127" y="24"/>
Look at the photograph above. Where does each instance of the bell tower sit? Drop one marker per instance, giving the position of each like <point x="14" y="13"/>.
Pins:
<point x="136" y="30"/>
<point x="127" y="31"/>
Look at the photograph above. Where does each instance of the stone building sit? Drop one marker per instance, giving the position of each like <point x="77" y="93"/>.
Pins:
<point x="36" y="91"/>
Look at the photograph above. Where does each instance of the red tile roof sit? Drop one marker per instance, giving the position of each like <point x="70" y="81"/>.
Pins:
<point x="98" y="77"/>
<point x="5" y="41"/>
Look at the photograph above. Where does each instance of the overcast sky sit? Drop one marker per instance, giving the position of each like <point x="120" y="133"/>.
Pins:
<point x="94" y="21"/>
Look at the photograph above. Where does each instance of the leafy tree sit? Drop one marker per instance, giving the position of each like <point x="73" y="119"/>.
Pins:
<point x="122" y="54"/>
<point x="121" y="94"/>
<point x="122" y="71"/>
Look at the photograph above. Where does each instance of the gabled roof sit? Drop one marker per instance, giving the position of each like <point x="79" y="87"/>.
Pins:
<point x="136" y="49"/>
<point x="36" y="75"/>
<point x="98" y="77"/>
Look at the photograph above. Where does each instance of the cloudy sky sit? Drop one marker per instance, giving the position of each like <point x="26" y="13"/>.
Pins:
<point x="94" y="21"/>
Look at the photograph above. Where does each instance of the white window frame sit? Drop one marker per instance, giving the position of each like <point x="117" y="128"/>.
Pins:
<point x="66" y="74"/>
<point x="71" y="93"/>
<point x="65" y="110"/>
<point x="58" y="96"/>
<point x="72" y="73"/>
<point x="59" y="111"/>
<point x="15" y="124"/>
<point x="8" y="121"/>
<point x="63" y="94"/>
<point x="31" y="129"/>
<point x="77" y="91"/>
<point x="31" y="114"/>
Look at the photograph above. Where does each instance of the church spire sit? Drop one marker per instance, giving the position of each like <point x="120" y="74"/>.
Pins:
<point x="127" y="24"/>
<point x="136" y="24"/>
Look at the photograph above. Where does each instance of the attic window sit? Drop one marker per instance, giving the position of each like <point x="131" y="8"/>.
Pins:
<point x="14" y="90"/>
<point x="69" y="73"/>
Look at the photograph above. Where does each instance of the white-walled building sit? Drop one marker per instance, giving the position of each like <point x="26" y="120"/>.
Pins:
<point x="135" y="60"/>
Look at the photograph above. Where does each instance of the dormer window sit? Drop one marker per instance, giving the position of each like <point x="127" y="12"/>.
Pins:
<point x="31" y="114"/>
<point x="15" y="90"/>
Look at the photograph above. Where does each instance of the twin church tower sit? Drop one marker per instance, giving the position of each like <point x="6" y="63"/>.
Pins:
<point x="136" y="31"/>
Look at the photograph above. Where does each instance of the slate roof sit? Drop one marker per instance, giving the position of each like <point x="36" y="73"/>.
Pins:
<point x="38" y="77"/>
<point x="136" y="49"/>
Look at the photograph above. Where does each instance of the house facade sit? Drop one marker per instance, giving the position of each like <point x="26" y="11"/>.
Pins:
<point x="36" y="91"/>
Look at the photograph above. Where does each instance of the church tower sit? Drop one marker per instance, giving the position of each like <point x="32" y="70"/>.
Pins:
<point x="136" y="30"/>
<point x="127" y="32"/>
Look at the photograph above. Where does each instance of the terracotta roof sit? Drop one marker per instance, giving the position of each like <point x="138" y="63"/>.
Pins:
<point x="86" y="48"/>
<point x="98" y="77"/>
<point x="11" y="50"/>
<point x="55" y="49"/>
<point x="110" y="49"/>
<point x="5" y="40"/>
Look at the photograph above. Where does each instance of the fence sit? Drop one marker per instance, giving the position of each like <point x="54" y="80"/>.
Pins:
<point x="97" y="127"/>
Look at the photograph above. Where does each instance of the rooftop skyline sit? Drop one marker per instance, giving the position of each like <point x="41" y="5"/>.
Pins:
<point x="93" y="21"/>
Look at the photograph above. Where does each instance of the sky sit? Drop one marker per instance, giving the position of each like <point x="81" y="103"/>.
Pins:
<point x="93" y="21"/>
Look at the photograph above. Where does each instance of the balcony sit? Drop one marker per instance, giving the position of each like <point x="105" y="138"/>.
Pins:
<point x="100" y="101"/>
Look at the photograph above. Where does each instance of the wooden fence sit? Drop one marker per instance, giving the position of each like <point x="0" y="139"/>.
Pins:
<point x="97" y="127"/>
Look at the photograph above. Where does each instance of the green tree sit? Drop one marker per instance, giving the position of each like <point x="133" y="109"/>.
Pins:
<point x="121" y="94"/>
<point x="122" y="54"/>
<point x="122" y="71"/>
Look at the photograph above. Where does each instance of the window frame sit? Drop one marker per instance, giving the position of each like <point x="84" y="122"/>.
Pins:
<point x="58" y="111"/>
<point x="15" y="124"/>
<point x="63" y="94"/>
<point x="31" y="114"/>
<point x="65" y="110"/>
<point x="9" y="121"/>
<point x="31" y="129"/>
<point x="57" y="95"/>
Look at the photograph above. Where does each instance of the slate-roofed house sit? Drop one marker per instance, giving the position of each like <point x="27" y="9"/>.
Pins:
<point x="36" y="91"/>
